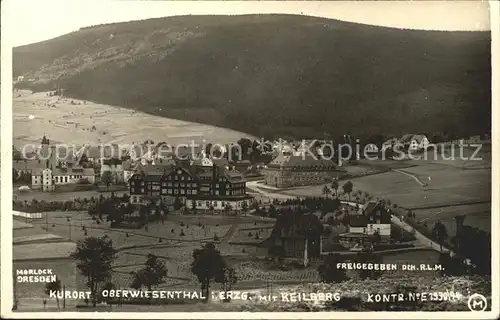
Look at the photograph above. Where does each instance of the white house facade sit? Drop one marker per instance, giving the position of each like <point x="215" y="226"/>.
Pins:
<point x="47" y="184"/>
<point x="383" y="229"/>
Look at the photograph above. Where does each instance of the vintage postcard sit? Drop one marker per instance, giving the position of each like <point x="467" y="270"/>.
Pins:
<point x="249" y="159"/>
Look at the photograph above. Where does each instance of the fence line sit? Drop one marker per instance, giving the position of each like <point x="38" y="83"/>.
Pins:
<point x="36" y="215"/>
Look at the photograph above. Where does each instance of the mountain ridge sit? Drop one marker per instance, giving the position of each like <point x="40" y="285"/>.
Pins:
<point x="274" y="75"/>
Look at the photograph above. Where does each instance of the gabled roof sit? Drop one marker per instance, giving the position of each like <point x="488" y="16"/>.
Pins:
<point x="371" y="207"/>
<point x="418" y="137"/>
<point x="198" y="162"/>
<point x="153" y="172"/>
<point x="302" y="161"/>
<point x="406" y="138"/>
<point x="358" y="221"/>
<point x="391" y="141"/>
<point x="233" y="176"/>
<point x="189" y="170"/>
<point x="376" y="210"/>
<point x="189" y="151"/>
<point x="204" y="174"/>
<point x="164" y="149"/>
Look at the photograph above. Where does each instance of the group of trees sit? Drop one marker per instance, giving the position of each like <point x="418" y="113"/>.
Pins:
<point x="209" y="266"/>
<point x="119" y="209"/>
<point x="471" y="251"/>
<point x="35" y="205"/>
<point x="95" y="256"/>
<point x="151" y="275"/>
<point x="20" y="176"/>
<point x="333" y="189"/>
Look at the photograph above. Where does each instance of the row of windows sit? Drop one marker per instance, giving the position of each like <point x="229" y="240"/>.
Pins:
<point x="186" y="192"/>
<point x="182" y="185"/>
<point x="176" y="178"/>
<point x="306" y="173"/>
<point x="66" y="178"/>
<point x="215" y="204"/>
<point x="314" y="178"/>
<point x="177" y="191"/>
<point x="192" y="185"/>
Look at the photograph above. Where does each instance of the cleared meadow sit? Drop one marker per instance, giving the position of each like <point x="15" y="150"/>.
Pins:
<point x="90" y="123"/>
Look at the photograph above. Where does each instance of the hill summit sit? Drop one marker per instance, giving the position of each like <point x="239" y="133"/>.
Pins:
<point x="271" y="75"/>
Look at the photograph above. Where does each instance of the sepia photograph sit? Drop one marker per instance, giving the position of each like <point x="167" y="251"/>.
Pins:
<point x="249" y="156"/>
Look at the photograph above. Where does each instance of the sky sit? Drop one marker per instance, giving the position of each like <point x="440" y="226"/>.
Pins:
<point x="37" y="20"/>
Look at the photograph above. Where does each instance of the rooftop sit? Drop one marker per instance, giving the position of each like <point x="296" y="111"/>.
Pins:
<point x="301" y="161"/>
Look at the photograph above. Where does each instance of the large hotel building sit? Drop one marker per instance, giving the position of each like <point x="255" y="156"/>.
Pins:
<point x="214" y="187"/>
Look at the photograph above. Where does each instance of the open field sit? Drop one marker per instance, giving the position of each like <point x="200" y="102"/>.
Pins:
<point x="451" y="188"/>
<point x="447" y="185"/>
<point x="68" y="123"/>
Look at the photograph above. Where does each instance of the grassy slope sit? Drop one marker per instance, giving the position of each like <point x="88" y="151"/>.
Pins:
<point x="275" y="74"/>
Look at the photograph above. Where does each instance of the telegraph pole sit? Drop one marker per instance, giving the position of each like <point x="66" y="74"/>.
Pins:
<point x="69" y="227"/>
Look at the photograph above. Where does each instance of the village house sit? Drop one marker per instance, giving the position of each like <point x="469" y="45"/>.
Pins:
<point x="296" y="235"/>
<point x="164" y="151"/>
<point x="370" y="149"/>
<point x="242" y="166"/>
<point x="27" y="166"/>
<point x="418" y="142"/>
<point x="203" y="160"/>
<point x="374" y="218"/>
<point x="115" y="167"/>
<point x="389" y="144"/>
<point x="97" y="154"/>
<point x="408" y="142"/>
<point x="48" y="179"/>
<point x="414" y="142"/>
<point x="55" y="155"/>
<point x="291" y="170"/>
<point x="128" y="170"/>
